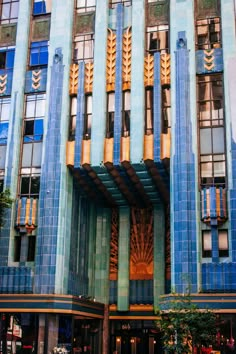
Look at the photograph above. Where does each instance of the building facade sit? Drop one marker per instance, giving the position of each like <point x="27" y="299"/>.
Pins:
<point x="118" y="144"/>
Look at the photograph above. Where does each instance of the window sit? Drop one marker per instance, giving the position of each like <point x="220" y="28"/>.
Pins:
<point x="39" y="53"/>
<point x="149" y="111"/>
<point x="7" y="56"/>
<point x="206" y="244"/>
<point x="211" y="129"/>
<point x="157" y="39"/>
<point x="208" y="33"/>
<point x="113" y="3"/>
<point x="73" y="111"/>
<point x="1" y="182"/>
<point x="126" y="114"/>
<point x="32" y="145"/>
<point x="83" y="48"/>
<point x="110" y="114"/>
<point x="4" y="119"/>
<point x="42" y="7"/>
<point x="24" y="248"/>
<point x="166" y="109"/>
<point x="88" y="116"/>
<point x="85" y="5"/>
<point x="9" y="11"/>
<point x="30" y="183"/>
<point x="223" y="243"/>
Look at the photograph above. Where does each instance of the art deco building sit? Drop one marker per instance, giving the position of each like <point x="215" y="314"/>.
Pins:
<point x="118" y="144"/>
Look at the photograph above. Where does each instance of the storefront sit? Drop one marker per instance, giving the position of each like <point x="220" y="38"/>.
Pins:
<point x="56" y="325"/>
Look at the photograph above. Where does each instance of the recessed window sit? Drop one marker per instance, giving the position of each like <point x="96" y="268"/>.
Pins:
<point x="149" y="111"/>
<point x="42" y="7"/>
<point x="166" y="109"/>
<point x="114" y="3"/>
<point x="7" y="56"/>
<point x="39" y="53"/>
<point x="73" y="112"/>
<point x="110" y="114"/>
<point x="223" y="243"/>
<point x="83" y="48"/>
<point x="157" y="39"/>
<point x="24" y="248"/>
<point x="88" y="116"/>
<point x="9" y="11"/>
<point x="211" y="130"/>
<point x="4" y="119"/>
<point x="208" y="33"/>
<point x="30" y="186"/>
<point x="126" y="114"/>
<point x="85" y="5"/>
<point x="206" y="244"/>
<point x="1" y="184"/>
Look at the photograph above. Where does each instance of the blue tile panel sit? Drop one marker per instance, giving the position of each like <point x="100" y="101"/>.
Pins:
<point x="79" y="116"/>
<point x="6" y="82"/>
<point x="157" y="108"/>
<point x="113" y="292"/>
<point x="45" y="265"/>
<point x="141" y="292"/>
<point x="219" y="277"/>
<point x="16" y="280"/>
<point x="209" y="61"/>
<point x="118" y="85"/>
<point x="184" y="232"/>
<point x="36" y="80"/>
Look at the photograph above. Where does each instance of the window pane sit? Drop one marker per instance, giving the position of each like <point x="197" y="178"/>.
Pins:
<point x="3" y="149"/>
<point x="5" y="112"/>
<point x="35" y="184"/>
<point x="89" y="102"/>
<point x="73" y="106"/>
<point x="27" y="155"/>
<point x="207" y="246"/>
<point x="29" y="128"/>
<point x="223" y="239"/>
<point x="38" y="130"/>
<point x="37" y="155"/>
<point x="127" y="100"/>
<point x="5" y="11"/>
<point x="219" y="169"/>
<point x="40" y="107"/>
<point x="3" y="132"/>
<point x="205" y="141"/>
<point x="30" y="107"/>
<point x="111" y="102"/>
<point x="14" y="9"/>
<point x="218" y="140"/>
<point x="24" y="185"/>
<point x="206" y="169"/>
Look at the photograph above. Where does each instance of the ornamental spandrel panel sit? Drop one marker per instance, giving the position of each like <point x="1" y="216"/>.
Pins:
<point x="157" y="13"/>
<point x="84" y="23"/>
<point x="208" y="8"/>
<point x="41" y="30"/>
<point x="8" y="34"/>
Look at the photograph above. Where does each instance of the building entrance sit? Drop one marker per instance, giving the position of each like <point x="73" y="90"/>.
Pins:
<point x="133" y="337"/>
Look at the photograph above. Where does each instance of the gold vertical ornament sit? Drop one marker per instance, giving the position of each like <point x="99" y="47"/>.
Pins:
<point x="74" y="76"/>
<point x="111" y="60"/>
<point x="165" y="69"/>
<point x="126" y="65"/>
<point x="148" y="70"/>
<point x="88" y="80"/>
